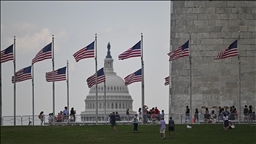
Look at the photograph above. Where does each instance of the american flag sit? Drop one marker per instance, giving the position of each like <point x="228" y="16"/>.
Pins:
<point x="134" y="51"/>
<point x="179" y="52"/>
<point x="22" y="74"/>
<point x="134" y="77"/>
<point x="7" y="54"/>
<point x="166" y="81"/>
<point x="59" y="75"/>
<point x="101" y="78"/>
<point x="86" y="52"/>
<point x="44" y="53"/>
<point x="230" y="51"/>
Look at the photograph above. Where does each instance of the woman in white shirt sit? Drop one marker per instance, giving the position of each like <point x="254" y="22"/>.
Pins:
<point x="225" y="119"/>
<point x="135" y="123"/>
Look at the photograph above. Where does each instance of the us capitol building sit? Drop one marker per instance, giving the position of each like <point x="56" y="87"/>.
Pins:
<point x="118" y="98"/>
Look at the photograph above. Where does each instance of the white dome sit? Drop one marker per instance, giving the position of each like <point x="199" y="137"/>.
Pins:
<point x="114" y="84"/>
<point x="118" y="98"/>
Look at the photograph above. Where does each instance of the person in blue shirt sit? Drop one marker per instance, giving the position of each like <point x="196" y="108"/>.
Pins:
<point x="65" y="114"/>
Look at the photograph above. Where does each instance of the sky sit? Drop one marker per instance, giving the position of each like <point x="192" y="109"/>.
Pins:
<point x="74" y="25"/>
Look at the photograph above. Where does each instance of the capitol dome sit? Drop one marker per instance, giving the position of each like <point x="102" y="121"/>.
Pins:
<point x="118" y="98"/>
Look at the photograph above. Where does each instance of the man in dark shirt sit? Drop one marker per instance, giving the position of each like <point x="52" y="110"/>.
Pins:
<point x="118" y="117"/>
<point x="171" y="127"/>
<point x="113" y="121"/>
<point x="187" y="114"/>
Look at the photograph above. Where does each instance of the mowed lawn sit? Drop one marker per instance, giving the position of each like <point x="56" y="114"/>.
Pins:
<point x="148" y="134"/>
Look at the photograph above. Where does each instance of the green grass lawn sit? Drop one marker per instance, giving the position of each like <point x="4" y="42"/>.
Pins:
<point x="148" y="134"/>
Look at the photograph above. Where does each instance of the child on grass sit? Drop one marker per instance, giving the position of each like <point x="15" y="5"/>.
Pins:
<point x="135" y="123"/>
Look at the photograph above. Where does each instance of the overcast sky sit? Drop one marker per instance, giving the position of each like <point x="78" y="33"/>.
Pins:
<point x="74" y="25"/>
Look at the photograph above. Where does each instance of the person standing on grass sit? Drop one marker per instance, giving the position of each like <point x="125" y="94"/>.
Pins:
<point x="135" y="123"/>
<point x="41" y="117"/>
<point x="171" y="127"/>
<point x="162" y="114"/>
<point x="225" y="118"/>
<point x="127" y="115"/>
<point x="245" y="113"/>
<point x="250" y="114"/>
<point x="73" y="114"/>
<point x="113" y="121"/>
<point x="162" y="126"/>
<point x="140" y="114"/>
<point x="187" y="114"/>
<point x="65" y="114"/>
<point x="196" y="115"/>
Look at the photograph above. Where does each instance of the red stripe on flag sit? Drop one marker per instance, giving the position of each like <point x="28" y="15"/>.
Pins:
<point x="83" y="53"/>
<point x="178" y="53"/>
<point x="42" y="56"/>
<point x="129" y="54"/>
<point x="20" y="76"/>
<point x="166" y="81"/>
<point x="132" y="78"/>
<point x="57" y="77"/>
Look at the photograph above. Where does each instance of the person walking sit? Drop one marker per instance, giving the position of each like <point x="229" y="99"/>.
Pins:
<point x="73" y="114"/>
<point x="225" y="118"/>
<point x="135" y="123"/>
<point x="140" y="114"/>
<point x="171" y="127"/>
<point x="65" y="114"/>
<point x="187" y="114"/>
<point x="41" y="117"/>
<point x="162" y="114"/>
<point x="127" y="115"/>
<point x="162" y="127"/>
<point x="245" y="113"/>
<point x="196" y="116"/>
<point x="250" y="114"/>
<point x="113" y="122"/>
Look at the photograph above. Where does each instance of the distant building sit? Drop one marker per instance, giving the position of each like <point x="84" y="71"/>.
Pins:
<point x="118" y="98"/>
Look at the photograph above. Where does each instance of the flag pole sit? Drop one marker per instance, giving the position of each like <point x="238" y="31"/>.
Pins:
<point x="190" y="78"/>
<point x="142" y="73"/>
<point x="53" y="77"/>
<point x="239" y="80"/>
<point x="105" y="99"/>
<point x="170" y="64"/>
<point x="67" y="85"/>
<point x="1" y="107"/>
<point x="33" y="94"/>
<point x="96" y="79"/>
<point x="14" y="84"/>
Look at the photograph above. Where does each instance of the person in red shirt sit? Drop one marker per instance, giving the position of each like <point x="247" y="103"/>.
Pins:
<point x="127" y="115"/>
<point x="235" y="113"/>
<point x="157" y="112"/>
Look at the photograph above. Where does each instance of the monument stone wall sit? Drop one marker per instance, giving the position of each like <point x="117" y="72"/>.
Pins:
<point x="213" y="25"/>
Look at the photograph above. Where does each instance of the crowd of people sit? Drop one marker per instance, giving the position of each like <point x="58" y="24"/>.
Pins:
<point x="226" y="114"/>
<point x="63" y="116"/>
<point x="217" y="114"/>
<point x="152" y="114"/>
<point x="113" y="117"/>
